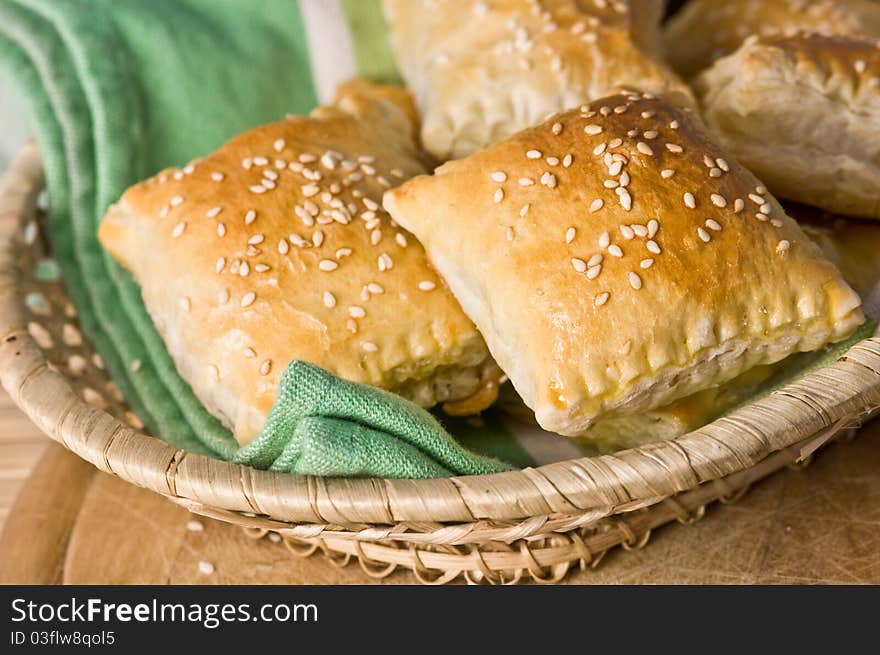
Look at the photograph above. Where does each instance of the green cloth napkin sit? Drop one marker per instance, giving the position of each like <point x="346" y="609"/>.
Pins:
<point x="119" y="89"/>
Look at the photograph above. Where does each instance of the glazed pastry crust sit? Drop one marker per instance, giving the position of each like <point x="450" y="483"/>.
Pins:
<point x="482" y="71"/>
<point x="803" y="114"/>
<point x="275" y="247"/>
<point x="706" y="30"/>
<point x="615" y="261"/>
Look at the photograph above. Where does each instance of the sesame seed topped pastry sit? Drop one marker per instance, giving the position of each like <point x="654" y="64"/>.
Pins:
<point x="481" y="71"/>
<point x="276" y="247"/>
<point x="615" y="261"/>
<point x="803" y="113"/>
<point x="706" y="30"/>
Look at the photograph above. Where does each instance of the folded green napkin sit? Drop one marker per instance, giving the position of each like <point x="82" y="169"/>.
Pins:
<point x="119" y="89"/>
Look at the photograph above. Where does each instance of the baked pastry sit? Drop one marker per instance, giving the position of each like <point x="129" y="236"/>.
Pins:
<point x="616" y="260"/>
<point x="706" y="30"/>
<point x="481" y="71"/>
<point x="276" y="247"/>
<point x="802" y="113"/>
<point x="850" y="245"/>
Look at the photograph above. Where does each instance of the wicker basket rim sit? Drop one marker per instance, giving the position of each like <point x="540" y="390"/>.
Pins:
<point x="579" y="490"/>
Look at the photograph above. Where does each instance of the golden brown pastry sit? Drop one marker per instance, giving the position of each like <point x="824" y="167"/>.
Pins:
<point x="850" y="245"/>
<point x="706" y="30"/>
<point x="276" y="247"/>
<point x="803" y="113"/>
<point x="481" y="71"/>
<point x="616" y="260"/>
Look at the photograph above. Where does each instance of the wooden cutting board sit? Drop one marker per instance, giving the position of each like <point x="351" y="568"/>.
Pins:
<point x="74" y="525"/>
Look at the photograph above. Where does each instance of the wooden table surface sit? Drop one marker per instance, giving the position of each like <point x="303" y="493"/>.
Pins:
<point x="73" y="524"/>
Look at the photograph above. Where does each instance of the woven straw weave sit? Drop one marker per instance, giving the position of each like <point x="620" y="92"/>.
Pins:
<point x="531" y="524"/>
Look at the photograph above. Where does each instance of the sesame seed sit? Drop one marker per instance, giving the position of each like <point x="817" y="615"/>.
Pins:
<point x="498" y="196"/>
<point x="653" y="226"/>
<point x="689" y="200"/>
<point x="598" y="150"/>
<point x="329" y="300"/>
<point x="265" y="367"/>
<point x="615" y="168"/>
<point x="673" y="147"/>
<point x="248" y="299"/>
<point x="762" y="217"/>
<point x="738" y="205"/>
<point x="217" y="177"/>
<point x="178" y="229"/>
<point x="309" y="190"/>
<point x="625" y="198"/>
<point x="615" y="251"/>
<point x="548" y="180"/>
<point x="604" y="240"/>
<point x="593" y="272"/>
<point x="666" y="173"/>
<point x="705" y="236"/>
<point x="647" y="114"/>
<point x="761" y="189"/>
<point x="593" y="129"/>
<point x="261" y="161"/>
<point x="634" y="280"/>
<point x="758" y="200"/>
<point x="646" y="263"/>
<point x="653" y="247"/>
<point x="524" y="210"/>
<point x="595" y="260"/>
<point x="206" y="568"/>
<point x="370" y="347"/>
<point x="356" y="311"/>
<point x="611" y="184"/>
<point x="601" y="299"/>
<point x="243" y="269"/>
<point x="552" y="161"/>
<point x="776" y="222"/>
<point x="783" y="245"/>
<point x="261" y="268"/>
<point x="644" y="148"/>
<point x="566" y="161"/>
<point x="650" y="134"/>
<point x="614" y="143"/>
<point x="556" y="128"/>
<point x="624" y="179"/>
<point x="673" y="125"/>
<point x="718" y="200"/>
<point x="342" y="252"/>
<point x="712" y="224"/>
<point x="247" y="163"/>
<point x="384" y="262"/>
<point x="708" y="162"/>
<point x="221" y="230"/>
<point x="499" y="176"/>
<point x="570" y="234"/>
<point x="534" y="154"/>
<point x="766" y="208"/>
<point x="510" y="233"/>
<point x="579" y="264"/>
<point x="327" y="265"/>
<point x="351" y="325"/>
<point x="526" y="181"/>
<point x="220" y="265"/>
<point x="427" y="285"/>
<point x="859" y="65"/>
<point x="307" y="158"/>
<point x="722" y="164"/>
<point x="258" y="188"/>
<point x="270" y="174"/>
<point x="256" y="239"/>
<point x="627" y="232"/>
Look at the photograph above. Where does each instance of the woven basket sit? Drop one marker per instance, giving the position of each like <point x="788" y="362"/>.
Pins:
<point x="531" y="524"/>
